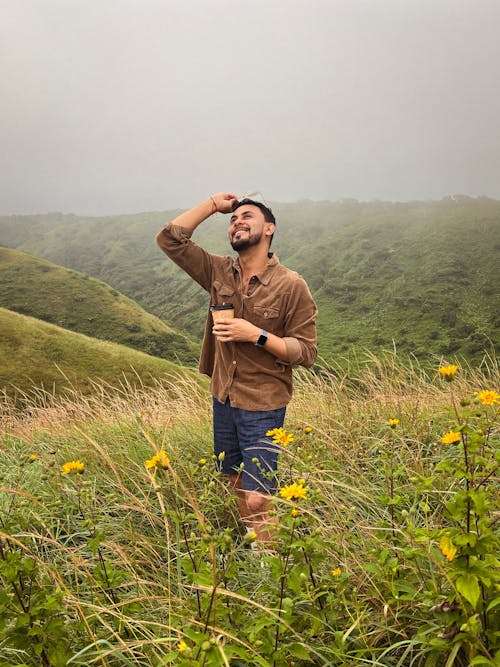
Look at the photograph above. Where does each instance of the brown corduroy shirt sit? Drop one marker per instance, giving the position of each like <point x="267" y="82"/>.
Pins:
<point x="277" y="300"/>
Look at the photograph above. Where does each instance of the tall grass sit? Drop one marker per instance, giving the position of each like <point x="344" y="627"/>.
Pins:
<point x="125" y="565"/>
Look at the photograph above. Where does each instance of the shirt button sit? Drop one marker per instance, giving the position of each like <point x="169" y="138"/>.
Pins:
<point x="234" y="363"/>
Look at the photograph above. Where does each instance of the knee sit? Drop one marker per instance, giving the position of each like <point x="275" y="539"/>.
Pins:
<point x="257" y="503"/>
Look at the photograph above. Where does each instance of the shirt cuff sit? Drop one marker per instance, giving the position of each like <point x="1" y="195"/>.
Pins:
<point x="294" y="350"/>
<point x="177" y="232"/>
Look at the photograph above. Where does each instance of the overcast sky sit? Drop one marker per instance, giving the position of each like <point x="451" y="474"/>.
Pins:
<point x="117" y="106"/>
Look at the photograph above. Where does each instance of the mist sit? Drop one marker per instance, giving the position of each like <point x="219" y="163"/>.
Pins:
<point x="115" y="106"/>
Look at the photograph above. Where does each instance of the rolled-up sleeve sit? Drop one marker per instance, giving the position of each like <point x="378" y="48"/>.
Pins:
<point x="175" y="241"/>
<point x="300" y="327"/>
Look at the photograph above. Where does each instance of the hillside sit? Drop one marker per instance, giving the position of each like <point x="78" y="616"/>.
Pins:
<point x="423" y="275"/>
<point x="35" y="354"/>
<point x="77" y="302"/>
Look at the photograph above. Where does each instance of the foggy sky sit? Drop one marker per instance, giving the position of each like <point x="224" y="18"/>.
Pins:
<point x="115" y="106"/>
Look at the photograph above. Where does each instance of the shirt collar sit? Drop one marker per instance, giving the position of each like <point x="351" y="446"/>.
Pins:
<point x="263" y="276"/>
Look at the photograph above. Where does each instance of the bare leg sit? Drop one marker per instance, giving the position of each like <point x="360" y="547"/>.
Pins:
<point x="258" y="506"/>
<point x="254" y="510"/>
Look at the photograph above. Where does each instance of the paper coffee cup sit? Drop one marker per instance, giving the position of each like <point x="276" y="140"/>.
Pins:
<point x="222" y="310"/>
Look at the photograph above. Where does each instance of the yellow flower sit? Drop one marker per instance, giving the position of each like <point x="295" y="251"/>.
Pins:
<point x="73" y="467"/>
<point x="202" y="462"/>
<point x="489" y="397"/>
<point x="251" y="536"/>
<point x="451" y="438"/>
<point x="448" y="549"/>
<point x="182" y="647"/>
<point x="448" y="372"/>
<point x="222" y="456"/>
<point x="33" y="457"/>
<point x="280" y="436"/>
<point x="159" y="460"/>
<point x="307" y="429"/>
<point x="336" y="572"/>
<point x="294" y="513"/>
<point x="393" y="422"/>
<point x="293" y="491"/>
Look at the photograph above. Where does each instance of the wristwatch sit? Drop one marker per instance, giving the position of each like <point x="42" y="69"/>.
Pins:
<point x="262" y="340"/>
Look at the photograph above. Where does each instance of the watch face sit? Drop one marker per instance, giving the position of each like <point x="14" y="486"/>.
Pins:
<point x="262" y="339"/>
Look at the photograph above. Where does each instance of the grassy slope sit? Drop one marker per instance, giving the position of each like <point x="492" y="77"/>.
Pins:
<point x="35" y="353"/>
<point x="421" y="274"/>
<point x="77" y="302"/>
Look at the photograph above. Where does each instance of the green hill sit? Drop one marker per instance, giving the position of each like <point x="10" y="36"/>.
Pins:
<point x="422" y="275"/>
<point x="77" y="302"/>
<point x="38" y="354"/>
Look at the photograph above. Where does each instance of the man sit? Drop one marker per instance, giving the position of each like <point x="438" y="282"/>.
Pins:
<point x="249" y="357"/>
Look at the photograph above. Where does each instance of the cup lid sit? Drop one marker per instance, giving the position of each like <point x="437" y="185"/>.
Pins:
<point x="222" y="306"/>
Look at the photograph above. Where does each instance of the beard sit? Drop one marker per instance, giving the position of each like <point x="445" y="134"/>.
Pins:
<point x="245" y="241"/>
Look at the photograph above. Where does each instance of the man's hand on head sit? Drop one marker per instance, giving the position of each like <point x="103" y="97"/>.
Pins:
<point x="224" y="201"/>
<point x="189" y="220"/>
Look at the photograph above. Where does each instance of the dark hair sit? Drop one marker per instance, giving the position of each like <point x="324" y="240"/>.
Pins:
<point x="266" y="212"/>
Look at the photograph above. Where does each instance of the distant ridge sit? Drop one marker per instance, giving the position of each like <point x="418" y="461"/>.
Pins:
<point x="420" y="275"/>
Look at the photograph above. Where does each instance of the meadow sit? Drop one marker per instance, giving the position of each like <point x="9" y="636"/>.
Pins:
<point x="120" y="543"/>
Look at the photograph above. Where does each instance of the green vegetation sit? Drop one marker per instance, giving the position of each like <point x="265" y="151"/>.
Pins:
<point x="422" y="276"/>
<point x="77" y="302"/>
<point x="120" y="544"/>
<point x="35" y="354"/>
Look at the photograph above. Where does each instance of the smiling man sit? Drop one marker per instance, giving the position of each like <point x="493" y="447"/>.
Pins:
<point x="249" y="357"/>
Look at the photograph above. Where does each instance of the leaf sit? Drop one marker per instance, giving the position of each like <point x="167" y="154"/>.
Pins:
<point x="23" y="620"/>
<point x="298" y="651"/>
<point x="448" y="549"/>
<point x="493" y="604"/>
<point x="451" y="658"/>
<point x="479" y="502"/>
<point x="466" y="539"/>
<point x="95" y="541"/>
<point x="59" y="654"/>
<point x="168" y="658"/>
<point x="446" y="466"/>
<point x="203" y="578"/>
<point x="468" y="586"/>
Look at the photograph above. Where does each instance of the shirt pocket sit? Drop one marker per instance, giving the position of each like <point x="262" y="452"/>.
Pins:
<point x="268" y="317"/>
<point x="222" y="293"/>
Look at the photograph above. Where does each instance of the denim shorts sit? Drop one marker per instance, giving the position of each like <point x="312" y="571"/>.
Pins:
<point x="241" y="435"/>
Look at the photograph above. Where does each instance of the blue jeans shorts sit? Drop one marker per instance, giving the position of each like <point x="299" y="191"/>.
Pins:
<point x="241" y="435"/>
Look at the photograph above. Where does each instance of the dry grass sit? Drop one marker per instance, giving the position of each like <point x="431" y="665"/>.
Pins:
<point x="150" y="523"/>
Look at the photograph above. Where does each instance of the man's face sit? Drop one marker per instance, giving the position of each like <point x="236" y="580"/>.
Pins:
<point x="247" y="227"/>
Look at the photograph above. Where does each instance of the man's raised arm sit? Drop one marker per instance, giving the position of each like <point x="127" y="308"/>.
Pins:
<point x="221" y="202"/>
<point x="174" y="238"/>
